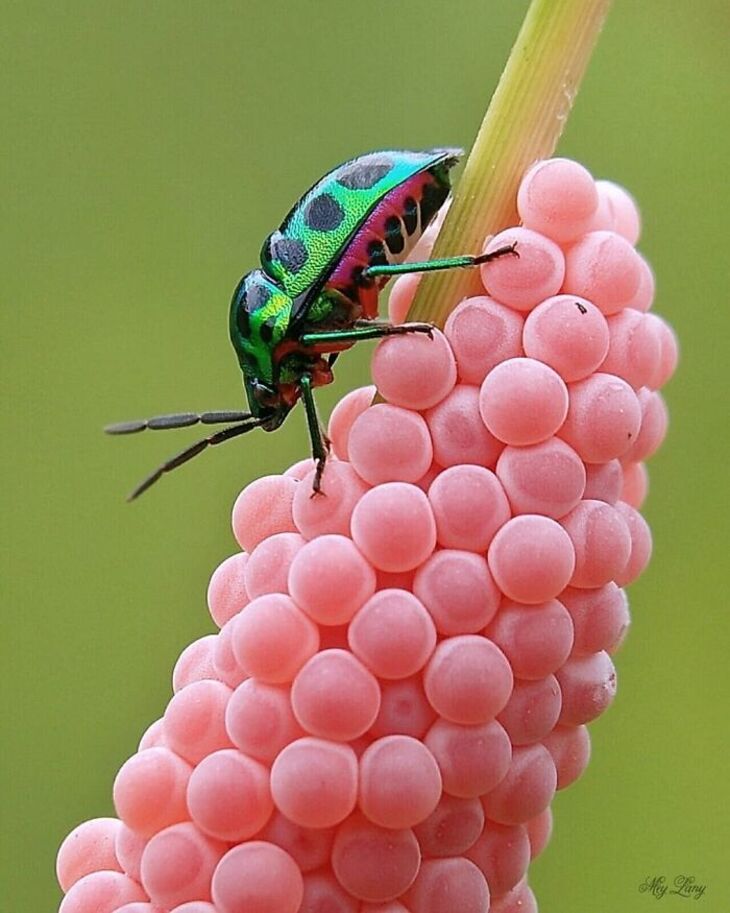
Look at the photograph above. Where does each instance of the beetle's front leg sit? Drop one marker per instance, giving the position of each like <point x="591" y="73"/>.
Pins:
<point x="319" y="441"/>
<point x="365" y="329"/>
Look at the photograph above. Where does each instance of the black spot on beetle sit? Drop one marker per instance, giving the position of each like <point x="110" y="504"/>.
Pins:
<point x="256" y="297"/>
<point x="362" y="175"/>
<point x="291" y="253"/>
<point x="266" y="331"/>
<point x="324" y="213"/>
<point x="376" y="254"/>
<point x="394" y="235"/>
<point x="432" y="200"/>
<point x="410" y="214"/>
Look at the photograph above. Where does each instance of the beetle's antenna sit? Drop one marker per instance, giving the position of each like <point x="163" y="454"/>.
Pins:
<point x="218" y="438"/>
<point x="177" y="420"/>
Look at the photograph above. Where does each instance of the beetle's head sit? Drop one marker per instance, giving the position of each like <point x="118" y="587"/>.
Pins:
<point x="271" y="404"/>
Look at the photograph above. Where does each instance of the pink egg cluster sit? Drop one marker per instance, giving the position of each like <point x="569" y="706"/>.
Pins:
<point x="405" y="665"/>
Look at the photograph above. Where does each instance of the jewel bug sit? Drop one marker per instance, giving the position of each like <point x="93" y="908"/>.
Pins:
<point x="316" y="292"/>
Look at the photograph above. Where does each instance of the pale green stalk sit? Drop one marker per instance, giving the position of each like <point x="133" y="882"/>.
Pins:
<point x="523" y="124"/>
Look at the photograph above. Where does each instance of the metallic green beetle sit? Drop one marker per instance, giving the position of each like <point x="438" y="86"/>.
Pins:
<point x="317" y="290"/>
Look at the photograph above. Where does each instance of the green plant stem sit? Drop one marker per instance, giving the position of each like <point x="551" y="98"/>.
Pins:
<point x="522" y="125"/>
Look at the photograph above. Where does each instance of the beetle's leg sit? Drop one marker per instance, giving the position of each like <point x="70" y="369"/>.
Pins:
<point x="319" y="447"/>
<point x="428" y="266"/>
<point x="218" y="438"/>
<point x="365" y="329"/>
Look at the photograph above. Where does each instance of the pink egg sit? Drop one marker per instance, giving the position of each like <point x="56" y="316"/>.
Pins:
<point x="314" y="782"/>
<point x="263" y="508"/>
<point x="257" y="877"/>
<point x="457" y="879"/>
<point x="619" y="211"/>
<point x="469" y="505"/>
<point x="344" y="414"/>
<point x="90" y="847"/>
<point x="641" y="544"/>
<point x="468" y="679"/>
<point x="335" y="697"/>
<point x="603" y="419"/>
<point x="526" y="790"/>
<point x="259" y="719"/>
<point x="519" y="900"/>
<point x="149" y="790"/>
<point x="414" y="370"/>
<point x="482" y="333"/>
<point x="458" y="433"/>
<point x="604" y="481"/>
<point x="451" y="828"/>
<point x="228" y="795"/>
<point x="568" y="333"/>
<point x="322" y="892"/>
<point x="195" y="906"/>
<point x="531" y="558"/>
<point x="502" y="854"/>
<point x="227" y="591"/>
<point x="558" y="197"/>
<point x="634" y="348"/>
<point x="309" y="847"/>
<point x="539" y="830"/>
<point x="601" y="541"/>
<point x="194" y="720"/>
<point x="140" y="906"/>
<point x="101" y="892"/>
<point x="177" y="865"/>
<point x="374" y="863"/>
<point x="128" y="847"/>
<point x="401" y="297"/>
<point x="635" y="484"/>
<point x="472" y="759"/>
<point x="330" y="579"/>
<point x="393" y="526"/>
<point x="532" y="710"/>
<point x="330" y="511"/>
<point x="523" y="281"/>
<point x="547" y="478"/>
<point x="604" y="268"/>
<point x="536" y="639"/>
<point x="600" y="617"/>
<point x="400" y="782"/>
<point x="522" y="401"/>
<point x="668" y="349"/>
<point x="195" y="663"/>
<point x="225" y="664"/>
<point x="458" y="590"/>
<point x="300" y="469"/>
<point x="267" y="570"/>
<point x="152" y="737"/>
<point x="570" y="749"/>
<point x="390" y="444"/>
<point x="653" y="430"/>
<point x="404" y="709"/>
<point x="588" y="685"/>
<point x="392" y="634"/>
<point x="273" y="638"/>
<point x="644" y="295"/>
<point x="392" y="907"/>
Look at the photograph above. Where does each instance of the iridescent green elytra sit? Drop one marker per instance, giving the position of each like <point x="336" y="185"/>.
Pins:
<point x="316" y="292"/>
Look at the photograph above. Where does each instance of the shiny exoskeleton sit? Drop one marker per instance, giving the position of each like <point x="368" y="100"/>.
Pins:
<point x="316" y="292"/>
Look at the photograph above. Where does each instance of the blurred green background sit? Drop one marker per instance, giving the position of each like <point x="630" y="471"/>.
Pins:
<point x="149" y="149"/>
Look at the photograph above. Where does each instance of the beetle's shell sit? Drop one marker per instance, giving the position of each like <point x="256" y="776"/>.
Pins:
<point x="307" y="247"/>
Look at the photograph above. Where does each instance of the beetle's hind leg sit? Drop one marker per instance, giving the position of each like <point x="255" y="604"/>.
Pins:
<point x="320" y="441"/>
